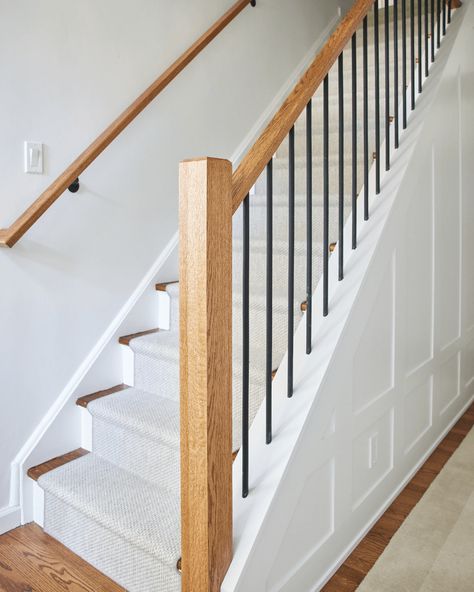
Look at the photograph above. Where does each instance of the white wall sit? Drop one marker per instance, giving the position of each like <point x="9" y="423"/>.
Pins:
<point x="66" y="69"/>
<point x="394" y="360"/>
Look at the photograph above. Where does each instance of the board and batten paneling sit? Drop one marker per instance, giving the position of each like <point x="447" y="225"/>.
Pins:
<point x="396" y="366"/>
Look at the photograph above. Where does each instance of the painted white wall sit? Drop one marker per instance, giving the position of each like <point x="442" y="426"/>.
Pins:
<point x="393" y="363"/>
<point x="67" y="70"/>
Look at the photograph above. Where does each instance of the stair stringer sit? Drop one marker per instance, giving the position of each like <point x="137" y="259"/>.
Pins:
<point x="369" y="393"/>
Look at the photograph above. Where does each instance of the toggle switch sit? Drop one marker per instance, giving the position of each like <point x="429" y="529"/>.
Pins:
<point x="34" y="157"/>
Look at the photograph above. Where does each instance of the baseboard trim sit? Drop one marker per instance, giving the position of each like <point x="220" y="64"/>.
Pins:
<point x="10" y="518"/>
<point x="363" y="533"/>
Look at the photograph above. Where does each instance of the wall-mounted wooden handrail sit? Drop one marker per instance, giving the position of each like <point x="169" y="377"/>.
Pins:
<point x="265" y="147"/>
<point x="9" y="236"/>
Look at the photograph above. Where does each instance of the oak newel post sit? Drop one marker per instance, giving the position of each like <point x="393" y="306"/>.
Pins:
<point x="206" y="371"/>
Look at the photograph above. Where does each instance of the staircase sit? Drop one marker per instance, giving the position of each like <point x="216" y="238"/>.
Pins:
<point x="118" y="507"/>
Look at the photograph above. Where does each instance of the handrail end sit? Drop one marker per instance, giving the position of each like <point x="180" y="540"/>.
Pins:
<point x="6" y="239"/>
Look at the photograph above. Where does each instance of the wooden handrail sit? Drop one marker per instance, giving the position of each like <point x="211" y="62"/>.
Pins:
<point x="267" y="144"/>
<point x="9" y="236"/>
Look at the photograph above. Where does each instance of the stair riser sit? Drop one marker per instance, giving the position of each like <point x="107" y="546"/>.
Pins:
<point x="147" y="458"/>
<point x="130" y="567"/>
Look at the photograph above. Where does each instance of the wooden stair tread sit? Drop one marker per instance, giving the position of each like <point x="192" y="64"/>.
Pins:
<point x="84" y="401"/>
<point x="36" y="472"/>
<point x="161" y="287"/>
<point x="125" y="340"/>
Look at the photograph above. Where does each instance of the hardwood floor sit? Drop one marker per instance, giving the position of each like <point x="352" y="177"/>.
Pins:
<point x="32" y="561"/>
<point x="360" y="561"/>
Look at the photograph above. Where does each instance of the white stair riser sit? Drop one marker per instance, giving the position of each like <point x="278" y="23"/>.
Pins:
<point x="129" y="566"/>
<point x="147" y="458"/>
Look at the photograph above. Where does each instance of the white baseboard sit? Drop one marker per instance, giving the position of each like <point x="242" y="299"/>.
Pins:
<point x="10" y="518"/>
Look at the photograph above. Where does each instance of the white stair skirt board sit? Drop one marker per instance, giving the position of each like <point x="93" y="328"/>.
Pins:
<point x="118" y="507"/>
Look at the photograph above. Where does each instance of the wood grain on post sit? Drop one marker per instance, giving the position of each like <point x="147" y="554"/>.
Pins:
<point x="206" y="372"/>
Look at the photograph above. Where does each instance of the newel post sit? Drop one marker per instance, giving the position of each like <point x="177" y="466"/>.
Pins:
<point x="205" y="229"/>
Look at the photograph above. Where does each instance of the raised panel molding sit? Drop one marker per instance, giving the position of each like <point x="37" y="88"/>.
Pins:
<point x="467" y="365"/>
<point x="448" y="387"/>
<point x="419" y="278"/>
<point x="310" y="525"/>
<point x="447" y="235"/>
<point x="373" y="375"/>
<point x="372" y="457"/>
<point x="418" y="414"/>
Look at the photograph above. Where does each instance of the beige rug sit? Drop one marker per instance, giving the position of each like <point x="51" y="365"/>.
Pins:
<point x="433" y="551"/>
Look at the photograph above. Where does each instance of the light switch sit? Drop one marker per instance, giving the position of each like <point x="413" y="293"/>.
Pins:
<point x="34" y="157"/>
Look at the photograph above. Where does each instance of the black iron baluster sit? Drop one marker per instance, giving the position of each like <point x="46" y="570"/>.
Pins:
<point x="291" y="257"/>
<point x="432" y="30"/>
<point x="309" y="225"/>
<point x="269" y="303"/>
<point x="420" y="45"/>
<point x="377" y="96"/>
<point x="245" y="346"/>
<point x="354" y="141"/>
<point x="395" y="71"/>
<point x="427" y="60"/>
<point x="444" y="18"/>
<point x="438" y="20"/>
<point x="450" y="7"/>
<point x="326" y="196"/>
<point x="412" y="51"/>
<point x="340" y="250"/>
<point x="404" y="61"/>
<point x="366" y="120"/>
<point x="387" y="85"/>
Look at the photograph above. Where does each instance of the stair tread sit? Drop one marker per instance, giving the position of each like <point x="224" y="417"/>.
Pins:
<point x="126" y="339"/>
<point x="50" y="465"/>
<point x="86" y="399"/>
<point x="145" y="515"/>
<point x="165" y="286"/>
<point x="154" y="417"/>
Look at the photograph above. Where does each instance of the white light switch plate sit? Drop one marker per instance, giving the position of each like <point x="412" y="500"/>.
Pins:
<point x="34" y="158"/>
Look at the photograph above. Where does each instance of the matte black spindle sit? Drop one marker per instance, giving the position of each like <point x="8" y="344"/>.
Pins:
<point x="444" y="18"/>
<point x="450" y="7"/>
<point x="377" y="96"/>
<point x="432" y="30"/>
<point x="395" y="71"/>
<point x="269" y="303"/>
<point x="438" y="20"/>
<point x="387" y="85"/>
<point x="340" y="249"/>
<point x="354" y="141"/>
<point x="309" y="225"/>
<point x="412" y="52"/>
<point x="404" y="61"/>
<point x="366" y="119"/>
<point x="245" y="347"/>
<point x="427" y="57"/>
<point x="420" y="50"/>
<point x="326" y="196"/>
<point x="291" y="257"/>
